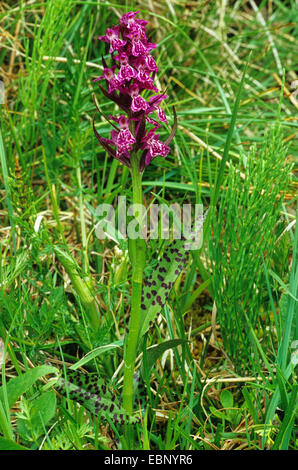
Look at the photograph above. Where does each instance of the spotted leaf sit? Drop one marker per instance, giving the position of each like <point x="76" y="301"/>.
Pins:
<point x="95" y="396"/>
<point x="158" y="285"/>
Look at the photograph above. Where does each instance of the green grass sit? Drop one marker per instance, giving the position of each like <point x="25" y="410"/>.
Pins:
<point x="229" y="382"/>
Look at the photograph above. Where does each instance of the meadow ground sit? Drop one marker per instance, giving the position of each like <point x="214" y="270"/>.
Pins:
<point x="219" y="373"/>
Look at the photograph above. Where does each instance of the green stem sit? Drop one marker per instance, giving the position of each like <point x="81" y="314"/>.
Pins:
<point x="137" y="255"/>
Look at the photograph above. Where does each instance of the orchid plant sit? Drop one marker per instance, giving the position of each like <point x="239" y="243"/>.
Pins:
<point x="134" y="142"/>
<point x="129" y="81"/>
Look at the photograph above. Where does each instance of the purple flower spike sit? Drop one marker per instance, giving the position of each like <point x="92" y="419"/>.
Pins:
<point x="133" y="71"/>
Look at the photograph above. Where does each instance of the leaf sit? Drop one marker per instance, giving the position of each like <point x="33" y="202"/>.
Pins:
<point x="284" y="313"/>
<point x="6" y="444"/>
<point x="96" y="352"/>
<point x="283" y="285"/>
<point x="19" y="385"/>
<point x="249" y="399"/>
<point x="218" y="414"/>
<point x="174" y="129"/>
<point x="81" y="285"/>
<point x="160" y="282"/>
<point x="154" y="352"/>
<point x="226" y="399"/>
<point x="42" y="410"/>
<point x="91" y="392"/>
<point x="158" y="285"/>
<point x="195" y="294"/>
<point x="283" y="437"/>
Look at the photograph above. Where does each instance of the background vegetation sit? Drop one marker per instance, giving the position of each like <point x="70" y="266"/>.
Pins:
<point x="233" y="384"/>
